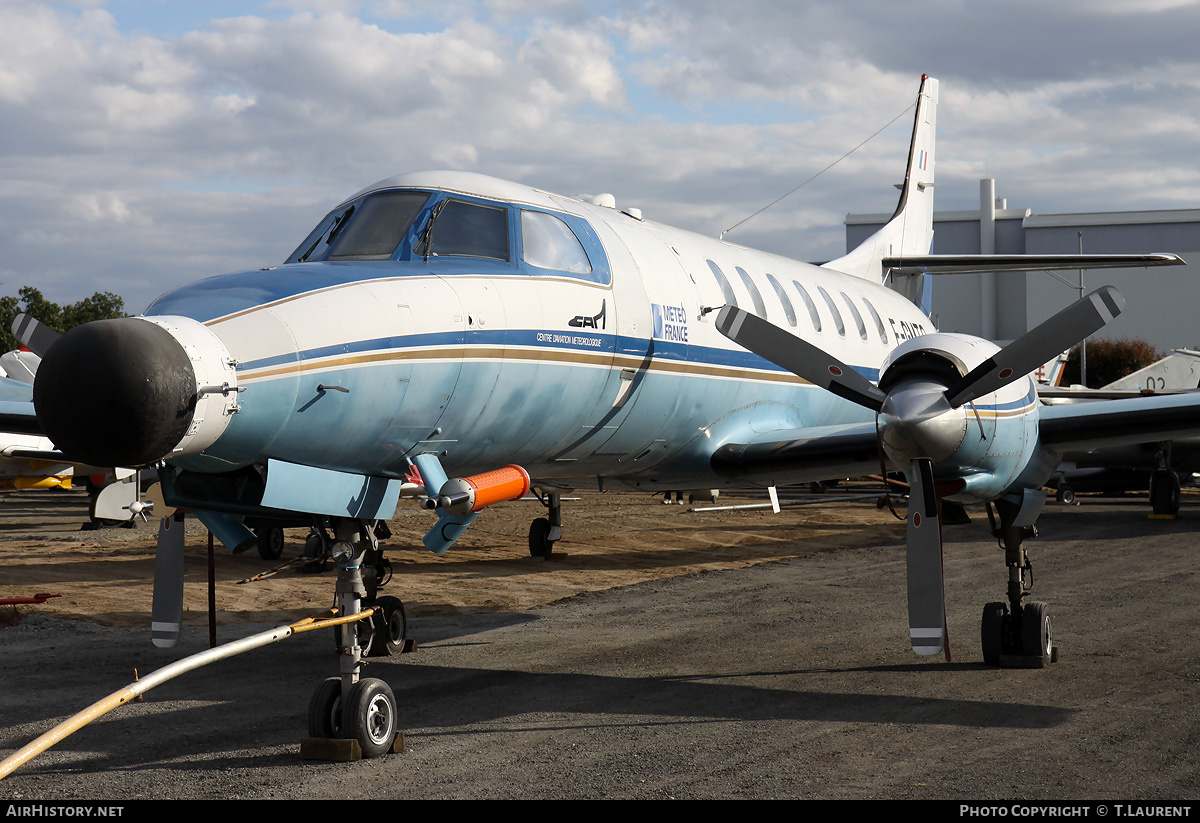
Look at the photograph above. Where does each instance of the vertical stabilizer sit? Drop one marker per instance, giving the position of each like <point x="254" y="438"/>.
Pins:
<point x="910" y="231"/>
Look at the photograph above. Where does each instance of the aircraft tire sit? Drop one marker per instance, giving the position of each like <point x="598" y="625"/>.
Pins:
<point x="539" y="546"/>
<point x="1164" y="492"/>
<point x="373" y="716"/>
<point x="1036" y="637"/>
<point x="1065" y="494"/>
<point x="391" y="625"/>
<point x="992" y="632"/>
<point x="325" y="709"/>
<point x="270" y="542"/>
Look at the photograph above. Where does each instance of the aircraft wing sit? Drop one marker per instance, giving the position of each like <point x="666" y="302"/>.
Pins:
<point x="1081" y="426"/>
<point x="17" y="417"/>
<point x="802" y="455"/>
<point x="790" y="456"/>
<point x="978" y="263"/>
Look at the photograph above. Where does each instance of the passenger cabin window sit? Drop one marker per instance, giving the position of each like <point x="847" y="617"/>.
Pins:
<point x="369" y="229"/>
<point x="760" y="308"/>
<point x="788" y="311"/>
<point x="879" y="327"/>
<point x="726" y="289"/>
<point x="833" y="309"/>
<point x="858" y="321"/>
<point x="548" y="243"/>
<point x="812" y="307"/>
<point x="462" y="229"/>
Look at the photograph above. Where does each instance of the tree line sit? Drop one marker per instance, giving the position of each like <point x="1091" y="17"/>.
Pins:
<point x="100" y="306"/>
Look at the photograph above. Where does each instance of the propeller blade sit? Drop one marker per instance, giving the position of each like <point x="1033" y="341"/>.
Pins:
<point x="798" y="356"/>
<point x="167" y="614"/>
<point x="1062" y="331"/>
<point x="33" y="334"/>
<point x="926" y="593"/>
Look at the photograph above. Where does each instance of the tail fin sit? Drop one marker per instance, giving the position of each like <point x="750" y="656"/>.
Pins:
<point x="910" y="230"/>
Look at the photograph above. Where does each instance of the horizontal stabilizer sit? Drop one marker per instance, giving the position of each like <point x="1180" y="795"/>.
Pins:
<point x="978" y="263"/>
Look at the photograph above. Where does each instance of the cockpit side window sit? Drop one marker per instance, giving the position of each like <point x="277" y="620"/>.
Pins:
<point x="369" y="229"/>
<point x="463" y="229"/>
<point x="548" y="243"/>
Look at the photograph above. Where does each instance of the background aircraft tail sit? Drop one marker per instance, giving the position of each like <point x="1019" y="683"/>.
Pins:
<point x="910" y="231"/>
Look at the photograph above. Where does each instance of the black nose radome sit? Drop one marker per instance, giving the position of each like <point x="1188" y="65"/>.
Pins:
<point x="115" y="393"/>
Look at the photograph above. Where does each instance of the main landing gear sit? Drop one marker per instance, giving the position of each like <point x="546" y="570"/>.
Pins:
<point x="1017" y="633"/>
<point x="1164" y="484"/>
<point x="349" y="707"/>
<point x="546" y="531"/>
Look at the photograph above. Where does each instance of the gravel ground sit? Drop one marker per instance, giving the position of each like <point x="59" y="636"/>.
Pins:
<point x="786" y="679"/>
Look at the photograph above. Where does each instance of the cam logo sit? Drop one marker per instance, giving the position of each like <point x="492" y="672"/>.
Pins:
<point x="580" y="321"/>
<point x="670" y="323"/>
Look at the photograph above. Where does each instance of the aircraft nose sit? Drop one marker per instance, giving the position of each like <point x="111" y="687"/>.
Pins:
<point x="116" y="393"/>
<point x="916" y="421"/>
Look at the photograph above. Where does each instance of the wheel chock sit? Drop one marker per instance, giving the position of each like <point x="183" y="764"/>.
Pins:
<point x="1162" y="517"/>
<point x="338" y="750"/>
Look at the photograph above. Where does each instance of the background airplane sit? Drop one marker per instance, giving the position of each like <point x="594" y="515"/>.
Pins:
<point x="436" y="327"/>
<point x="1162" y="467"/>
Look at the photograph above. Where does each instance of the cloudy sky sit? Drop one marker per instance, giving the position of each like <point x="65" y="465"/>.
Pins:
<point x="144" y="143"/>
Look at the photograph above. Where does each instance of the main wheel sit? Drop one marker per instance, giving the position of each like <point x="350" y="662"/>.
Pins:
<point x="325" y="709"/>
<point x="1164" y="492"/>
<point x="391" y="625"/>
<point x="539" y="546"/>
<point x="1036" y="638"/>
<point x="372" y="716"/>
<point x="270" y="542"/>
<point x="992" y="632"/>
<point x="1065" y="494"/>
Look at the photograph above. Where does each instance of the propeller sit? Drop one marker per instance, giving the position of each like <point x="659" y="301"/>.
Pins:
<point x="1076" y="322"/>
<point x="922" y="423"/>
<point x="798" y="356"/>
<point x="34" y="334"/>
<point x="167" y="613"/>
<point x="926" y="592"/>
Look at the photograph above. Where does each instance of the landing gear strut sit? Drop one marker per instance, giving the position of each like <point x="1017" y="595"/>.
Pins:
<point x="349" y="707"/>
<point x="1016" y="633"/>
<point x="545" y="532"/>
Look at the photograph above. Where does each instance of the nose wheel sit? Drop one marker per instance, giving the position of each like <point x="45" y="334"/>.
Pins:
<point x="1016" y="634"/>
<point x="1027" y="642"/>
<point x="369" y="715"/>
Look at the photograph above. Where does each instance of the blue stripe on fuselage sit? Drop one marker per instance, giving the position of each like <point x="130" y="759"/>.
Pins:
<point x="530" y="338"/>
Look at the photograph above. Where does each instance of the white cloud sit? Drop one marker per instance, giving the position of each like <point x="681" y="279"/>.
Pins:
<point x="162" y="158"/>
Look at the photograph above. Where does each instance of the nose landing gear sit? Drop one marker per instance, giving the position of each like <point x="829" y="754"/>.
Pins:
<point x="350" y="716"/>
<point x="1016" y="634"/>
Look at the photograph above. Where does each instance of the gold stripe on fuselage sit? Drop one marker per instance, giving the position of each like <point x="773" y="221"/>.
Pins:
<point x="522" y="355"/>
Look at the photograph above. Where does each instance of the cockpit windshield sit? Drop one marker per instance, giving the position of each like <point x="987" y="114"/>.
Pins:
<point x="370" y="228"/>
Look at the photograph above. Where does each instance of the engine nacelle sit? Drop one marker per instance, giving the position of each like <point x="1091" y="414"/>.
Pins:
<point x="984" y="443"/>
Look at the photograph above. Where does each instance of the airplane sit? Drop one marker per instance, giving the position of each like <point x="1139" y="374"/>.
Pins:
<point x="473" y="338"/>
<point x="1159" y="466"/>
